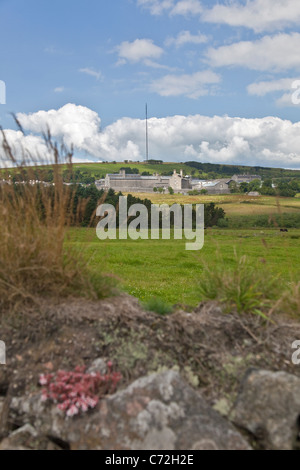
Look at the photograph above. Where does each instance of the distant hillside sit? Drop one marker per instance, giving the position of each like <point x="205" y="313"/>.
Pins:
<point x="196" y="169"/>
<point x="86" y="173"/>
<point x="230" y="170"/>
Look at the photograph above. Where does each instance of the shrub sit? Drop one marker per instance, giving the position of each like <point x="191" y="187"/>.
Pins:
<point x="223" y="223"/>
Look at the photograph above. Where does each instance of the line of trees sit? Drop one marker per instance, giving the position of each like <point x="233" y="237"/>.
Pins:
<point x="83" y="202"/>
<point x="282" y="187"/>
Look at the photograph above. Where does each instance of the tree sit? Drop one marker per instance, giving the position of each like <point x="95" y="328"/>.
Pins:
<point x="155" y="189"/>
<point x="171" y="190"/>
<point x="267" y="183"/>
<point x="254" y="185"/>
<point x="233" y="187"/>
<point x="244" y="188"/>
<point x="295" y="185"/>
<point x="203" y="191"/>
<point x="212" y="214"/>
<point x="130" y="171"/>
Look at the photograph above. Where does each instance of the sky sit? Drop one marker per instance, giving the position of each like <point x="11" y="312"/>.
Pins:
<point x="221" y="79"/>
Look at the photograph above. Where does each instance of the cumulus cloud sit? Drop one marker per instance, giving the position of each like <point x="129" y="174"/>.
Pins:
<point x="140" y="50"/>
<point x="268" y="141"/>
<point x="185" y="37"/>
<point x="259" y="15"/>
<point x="29" y="148"/>
<point x="273" y="53"/>
<point x="172" y="7"/>
<point x="192" y="86"/>
<point x="81" y="127"/>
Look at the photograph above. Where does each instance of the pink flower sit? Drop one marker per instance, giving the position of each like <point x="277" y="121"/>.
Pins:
<point x="43" y="379"/>
<point x="77" y="391"/>
<point x="72" y="411"/>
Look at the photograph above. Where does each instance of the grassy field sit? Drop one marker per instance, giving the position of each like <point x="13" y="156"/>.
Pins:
<point x="242" y="211"/>
<point x="163" y="268"/>
<point x="233" y="204"/>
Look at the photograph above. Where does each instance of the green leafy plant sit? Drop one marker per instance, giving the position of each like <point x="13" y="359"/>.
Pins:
<point x="245" y="287"/>
<point x="157" y="305"/>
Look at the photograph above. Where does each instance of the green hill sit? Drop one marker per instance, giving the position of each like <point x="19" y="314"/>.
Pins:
<point x="196" y="169"/>
<point x="86" y="173"/>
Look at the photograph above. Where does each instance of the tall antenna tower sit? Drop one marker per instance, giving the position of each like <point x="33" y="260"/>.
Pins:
<point x="147" y="141"/>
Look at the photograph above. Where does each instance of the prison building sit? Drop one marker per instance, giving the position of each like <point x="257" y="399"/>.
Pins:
<point x="220" y="186"/>
<point x="138" y="183"/>
<point x="245" y="178"/>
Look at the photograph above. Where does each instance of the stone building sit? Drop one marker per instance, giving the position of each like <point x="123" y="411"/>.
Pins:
<point x="138" y="183"/>
<point x="220" y="186"/>
<point x="245" y="178"/>
<point x="178" y="182"/>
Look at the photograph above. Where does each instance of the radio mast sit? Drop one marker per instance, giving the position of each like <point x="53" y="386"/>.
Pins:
<point x="147" y="143"/>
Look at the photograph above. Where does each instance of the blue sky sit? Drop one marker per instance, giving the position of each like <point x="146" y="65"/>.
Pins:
<point x="217" y="77"/>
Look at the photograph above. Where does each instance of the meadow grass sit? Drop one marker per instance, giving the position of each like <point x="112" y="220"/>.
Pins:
<point x="233" y="204"/>
<point x="164" y="269"/>
<point x="34" y="260"/>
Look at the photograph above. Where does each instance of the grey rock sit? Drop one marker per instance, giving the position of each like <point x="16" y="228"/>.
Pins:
<point x="27" y="429"/>
<point x="268" y="406"/>
<point x="21" y="439"/>
<point x="157" y="412"/>
<point x="98" y="365"/>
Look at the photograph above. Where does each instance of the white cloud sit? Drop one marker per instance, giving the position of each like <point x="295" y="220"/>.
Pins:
<point x="80" y="126"/>
<point x="259" y="15"/>
<point x="286" y="100"/>
<point x="29" y="148"/>
<point x="91" y="72"/>
<point x="264" y="87"/>
<point x="156" y="7"/>
<point x="156" y="65"/>
<point x="273" y="53"/>
<point x="185" y="37"/>
<point x="140" y="50"/>
<point x="187" y="7"/>
<point x="192" y="86"/>
<point x="173" y="7"/>
<point x="290" y="86"/>
<point x="269" y="141"/>
<point x="59" y="89"/>
<point x="77" y="125"/>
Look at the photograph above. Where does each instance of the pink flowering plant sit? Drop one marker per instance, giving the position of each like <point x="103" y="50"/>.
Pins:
<point x="77" y="391"/>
